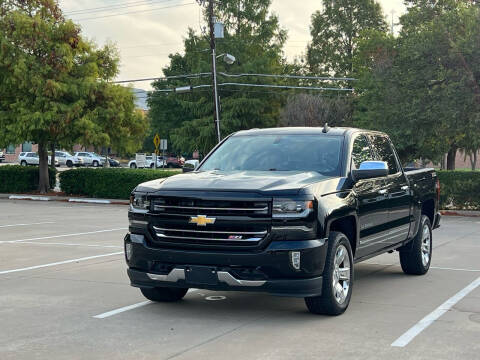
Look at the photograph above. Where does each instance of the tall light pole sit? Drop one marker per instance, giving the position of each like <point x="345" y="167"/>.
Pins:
<point x="216" y="112"/>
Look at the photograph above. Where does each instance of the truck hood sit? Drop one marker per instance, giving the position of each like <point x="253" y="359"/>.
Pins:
<point x="252" y="181"/>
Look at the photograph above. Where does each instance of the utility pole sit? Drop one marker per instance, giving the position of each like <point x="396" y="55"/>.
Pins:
<point x="391" y="27"/>
<point x="216" y="113"/>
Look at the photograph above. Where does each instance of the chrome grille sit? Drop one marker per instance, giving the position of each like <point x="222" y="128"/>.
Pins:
<point x="241" y="224"/>
<point x="173" y="205"/>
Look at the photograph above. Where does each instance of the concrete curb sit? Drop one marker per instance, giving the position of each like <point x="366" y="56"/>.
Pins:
<point x="64" y="199"/>
<point x="466" y="213"/>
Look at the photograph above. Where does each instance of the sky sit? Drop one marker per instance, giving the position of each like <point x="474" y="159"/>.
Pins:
<point x="149" y="30"/>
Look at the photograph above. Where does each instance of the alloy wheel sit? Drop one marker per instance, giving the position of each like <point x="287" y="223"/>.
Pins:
<point x="341" y="275"/>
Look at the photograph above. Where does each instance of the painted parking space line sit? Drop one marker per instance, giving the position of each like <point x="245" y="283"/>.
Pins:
<point x="60" y="263"/>
<point x="37" y="223"/>
<point x="64" y="235"/>
<point x="431" y="267"/>
<point x="428" y="320"/>
<point x="122" y="309"/>
<point x="129" y="307"/>
<point x="70" y="244"/>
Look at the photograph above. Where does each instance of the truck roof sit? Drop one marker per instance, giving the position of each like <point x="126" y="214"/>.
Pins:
<point x="333" y="131"/>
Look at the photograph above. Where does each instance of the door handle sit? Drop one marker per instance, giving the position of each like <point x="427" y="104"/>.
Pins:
<point x="382" y="191"/>
<point x="405" y="187"/>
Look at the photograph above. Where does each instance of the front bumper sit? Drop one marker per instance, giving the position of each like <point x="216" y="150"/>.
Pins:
<point x="269" y="270"/>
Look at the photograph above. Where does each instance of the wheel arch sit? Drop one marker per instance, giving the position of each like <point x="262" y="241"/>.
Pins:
<point x="346" y="224"/>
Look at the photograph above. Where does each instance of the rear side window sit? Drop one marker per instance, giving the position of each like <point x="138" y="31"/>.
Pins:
<point x="360" y="152"/>
<point x="384" y="152"/>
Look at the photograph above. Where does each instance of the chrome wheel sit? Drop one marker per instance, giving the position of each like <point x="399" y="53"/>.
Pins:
<point x="341" y="274"/>
<point x="426" y="244"/>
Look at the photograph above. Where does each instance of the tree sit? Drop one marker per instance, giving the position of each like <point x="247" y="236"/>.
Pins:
<point x="422" y="87"/>
<point x="316" y="110"/>
<point x="255" y="38"/>
<point x="335" y="30"/>
<point x="54" y="84"/>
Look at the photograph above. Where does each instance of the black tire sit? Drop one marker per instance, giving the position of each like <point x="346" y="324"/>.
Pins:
<point x="327" y="303"/>
<point x="164" y="294"/>
<point x="170" y="165"/>
<point x="95" y="163"/>
<point x="23" y="163"/>
<point x="69" y="163"/>
<point x="416" y="256"/>
<point x="152" y="166"/>
<point x="133" y="166"/>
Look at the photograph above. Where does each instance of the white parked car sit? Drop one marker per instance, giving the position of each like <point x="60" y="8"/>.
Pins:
<point x="67" y="159"/>
<point x="90" y="158"/>
<point x="2" y="156"/>
<point x="148" y="162"/>
<point x="31" y="158"/>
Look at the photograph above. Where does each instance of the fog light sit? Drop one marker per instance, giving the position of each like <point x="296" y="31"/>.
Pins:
<point x="295" y="259"/>
<point x="128" y="250"/>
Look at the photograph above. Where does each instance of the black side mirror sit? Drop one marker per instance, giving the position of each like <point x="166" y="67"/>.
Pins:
<point x="370" y="169"/>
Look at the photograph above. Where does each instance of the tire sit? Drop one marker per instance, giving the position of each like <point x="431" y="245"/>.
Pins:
<point x="23" y="163"/>
<point x="416" y="256"/>
<point x="170" y="165"/>
<point x="69" y="163"/>
<point x="95" y="163"/>
<point x="332" y="301"/>
<point x="133" y="166"/>
<point x="164" y="294"/>
<point x="152" y="166"/>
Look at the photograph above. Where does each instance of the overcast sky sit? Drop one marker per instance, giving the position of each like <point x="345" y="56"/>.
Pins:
<point x="151" y="29"/>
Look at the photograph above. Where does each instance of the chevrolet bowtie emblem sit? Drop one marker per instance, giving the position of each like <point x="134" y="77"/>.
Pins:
<point x="201" y="220"/>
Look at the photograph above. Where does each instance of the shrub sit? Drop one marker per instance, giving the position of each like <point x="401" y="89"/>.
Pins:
<point x="459" y="189"/>
<point x="16" y="178"/>
<point x="107" y="183"/>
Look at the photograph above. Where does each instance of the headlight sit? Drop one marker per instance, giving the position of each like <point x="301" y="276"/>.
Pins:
<point x="139" y="202"/>
<point x="288" y="208"/>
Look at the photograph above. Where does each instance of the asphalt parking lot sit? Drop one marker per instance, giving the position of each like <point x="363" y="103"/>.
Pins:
<point x="64" y="294"/>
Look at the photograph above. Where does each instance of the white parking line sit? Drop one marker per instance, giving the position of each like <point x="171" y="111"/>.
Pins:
<point x="59" y="263"/>
<point x="69" y="244"/>
<point x="129" y="307"/>
<point x="64" y="235"/>
<point x="122" y="309"/>
<point x="38" y="223"/>
<point x="435" y="315"/>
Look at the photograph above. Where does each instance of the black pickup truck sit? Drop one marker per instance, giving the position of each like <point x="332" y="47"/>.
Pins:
<point x="286" y="211"/>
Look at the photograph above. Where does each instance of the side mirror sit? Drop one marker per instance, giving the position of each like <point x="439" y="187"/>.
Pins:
<point x="188" y="167"/>
<point x="370" y="169"/>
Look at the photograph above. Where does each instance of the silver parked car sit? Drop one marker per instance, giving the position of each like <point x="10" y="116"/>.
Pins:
<point x="90" y="158"/>
<point x="31" y="158"/>
<point x="67" y="159"/>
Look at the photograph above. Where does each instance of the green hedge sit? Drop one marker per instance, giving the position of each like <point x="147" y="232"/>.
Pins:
<point x="459" y="190"/>
<point x="107" y="183"/>
<point x="16" y="178"/>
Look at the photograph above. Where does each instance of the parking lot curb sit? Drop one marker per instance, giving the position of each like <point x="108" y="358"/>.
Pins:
<point x="467" y="213"/>
<point x="64" y="199"/>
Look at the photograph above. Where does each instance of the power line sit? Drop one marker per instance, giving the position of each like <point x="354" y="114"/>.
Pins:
<point x="113" y="7"/>
<point x="135" y="12"/>
<point x="186" y="76"/>
<point x="286" y="87"/>
<point x="323" y="78"/>
<point x="204" y="74"/>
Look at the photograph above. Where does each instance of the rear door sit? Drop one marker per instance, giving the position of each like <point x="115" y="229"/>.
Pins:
<point x="398" y="191"/>
<point x="372" y="202"/>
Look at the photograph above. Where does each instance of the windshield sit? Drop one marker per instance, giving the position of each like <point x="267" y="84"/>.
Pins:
<point x="318" y="153"/>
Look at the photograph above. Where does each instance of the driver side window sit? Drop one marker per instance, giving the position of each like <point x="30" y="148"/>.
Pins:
<point x="360" y="152"/>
